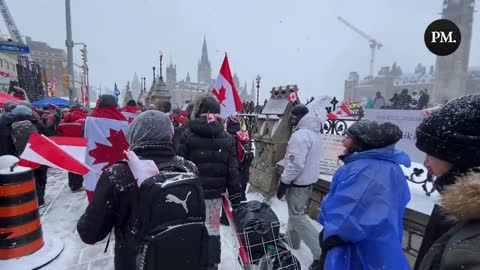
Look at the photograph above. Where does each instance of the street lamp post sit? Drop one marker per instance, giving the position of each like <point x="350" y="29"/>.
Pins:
<point x="258" y="79"/>
<point x="69" y="44"/>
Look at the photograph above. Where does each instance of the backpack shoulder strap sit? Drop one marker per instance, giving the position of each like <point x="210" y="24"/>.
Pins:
<point x="187" y="134"/>
<point x="172" y="166"/>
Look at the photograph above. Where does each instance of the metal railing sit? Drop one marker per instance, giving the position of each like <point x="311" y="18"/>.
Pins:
<point x="414" y="178"/>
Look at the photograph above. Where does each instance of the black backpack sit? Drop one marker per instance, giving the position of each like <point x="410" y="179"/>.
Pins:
<point x="169" y="221"/>
<point x="248" y="153"/>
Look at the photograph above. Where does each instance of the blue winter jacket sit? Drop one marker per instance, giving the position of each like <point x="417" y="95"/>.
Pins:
<point x="365" y="207"/>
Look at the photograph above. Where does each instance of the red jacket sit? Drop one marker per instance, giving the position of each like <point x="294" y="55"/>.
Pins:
<point x="72" y="123"/>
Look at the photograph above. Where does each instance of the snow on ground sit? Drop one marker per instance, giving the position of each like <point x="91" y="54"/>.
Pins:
<point x="63" y="209"/>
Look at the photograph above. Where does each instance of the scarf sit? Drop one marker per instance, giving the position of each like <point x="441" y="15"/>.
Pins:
<point x="130" y="109"/>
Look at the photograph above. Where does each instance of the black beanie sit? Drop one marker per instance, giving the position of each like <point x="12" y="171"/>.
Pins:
<point x="299" y="111"/>
<point x="209" y="105"/>
<point x="368" y="135"/>
<point x="131" y="102"/>
<point x="107" y="101"/>
<point x="452" y="133"/>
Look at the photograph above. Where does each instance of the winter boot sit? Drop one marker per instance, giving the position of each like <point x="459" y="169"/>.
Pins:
<point x="40" y="176"/>
<point x="214" y="250"/>
<point x="75" y="182"/>
<point x="316" y="265"/>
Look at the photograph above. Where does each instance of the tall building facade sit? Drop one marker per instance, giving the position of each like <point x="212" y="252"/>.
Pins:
<point x="184" y="91"/>
<point x="452" y="70"/>
<point x="53" y="60"/>
<point x="171" y="76"/>
<point x="8" y="65"/>
<point x="204" y="66"/>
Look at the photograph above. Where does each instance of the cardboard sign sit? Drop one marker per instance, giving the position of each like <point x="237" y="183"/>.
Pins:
<point x="332" y="147"/>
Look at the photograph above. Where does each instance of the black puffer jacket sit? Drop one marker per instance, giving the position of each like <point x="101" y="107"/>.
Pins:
<point x="112" y="204"/>
<point x="214" y="152"/>
<point x="6" y="143"/>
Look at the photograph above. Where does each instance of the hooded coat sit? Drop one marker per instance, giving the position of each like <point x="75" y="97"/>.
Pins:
<point x="214" y="151"/>
<point x="459" y="247"/>
<point x="364" y="210"/>
<point x="72" y="123"/>
<point x="303" y="157"/>
<point x="112" y="203"/>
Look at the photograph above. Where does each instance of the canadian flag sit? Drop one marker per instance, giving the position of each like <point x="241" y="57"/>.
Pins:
<point x="141" y="169"/>
<point x="66" y="153"/>
<point x="107" y="142"/>
<point x="226" y="92"/>
<point x="293" y="96"/>
<point x="342" y="111"/>
<point x="130" y="116"/>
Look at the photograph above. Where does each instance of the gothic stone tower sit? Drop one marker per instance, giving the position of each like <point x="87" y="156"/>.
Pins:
<point x="171" y="76"/>
<point x="451" y="72"/>
<point x="204" y="68"/>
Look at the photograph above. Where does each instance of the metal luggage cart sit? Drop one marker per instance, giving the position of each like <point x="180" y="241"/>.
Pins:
<point x="267" y="252"/>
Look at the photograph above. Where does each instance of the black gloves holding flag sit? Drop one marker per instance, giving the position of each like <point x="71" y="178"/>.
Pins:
<point x="282" y="189"/>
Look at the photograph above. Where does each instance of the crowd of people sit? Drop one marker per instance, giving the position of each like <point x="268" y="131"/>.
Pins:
<point x="405" y="101"/>
<point x="362" y="214"/>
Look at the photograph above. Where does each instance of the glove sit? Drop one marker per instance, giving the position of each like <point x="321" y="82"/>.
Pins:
<point x="235" y="201"/>
<point x="282" y="189"/>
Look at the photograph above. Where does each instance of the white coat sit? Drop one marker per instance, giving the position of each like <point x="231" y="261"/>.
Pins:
<point x="302" y="160"/>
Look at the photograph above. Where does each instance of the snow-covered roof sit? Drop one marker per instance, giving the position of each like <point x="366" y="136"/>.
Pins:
<point x="412" y="78"/>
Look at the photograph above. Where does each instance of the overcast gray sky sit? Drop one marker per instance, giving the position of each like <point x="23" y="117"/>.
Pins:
<point x="286" y="42"/>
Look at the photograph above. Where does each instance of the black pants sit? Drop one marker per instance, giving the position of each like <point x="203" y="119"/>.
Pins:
<point x="214" y="251"/>
<point x="244" y="177"/>
<point x="75" y="181"/>
<point x="40" y="175"/>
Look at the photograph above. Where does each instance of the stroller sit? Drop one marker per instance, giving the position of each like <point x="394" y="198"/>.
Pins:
<point x="259" y="245"/>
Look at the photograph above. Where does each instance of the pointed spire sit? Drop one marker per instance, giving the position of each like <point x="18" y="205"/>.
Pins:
<point x="204" y="68"/>
<point x="204" y="59"/>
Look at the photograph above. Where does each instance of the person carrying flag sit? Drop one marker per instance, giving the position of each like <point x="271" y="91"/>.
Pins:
<point x="72" y="125"/>
<point x="214" y="151"/>
<point x="106" y="131"/>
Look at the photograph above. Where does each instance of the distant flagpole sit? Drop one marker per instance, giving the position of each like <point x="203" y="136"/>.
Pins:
<point x="117" y="92"/>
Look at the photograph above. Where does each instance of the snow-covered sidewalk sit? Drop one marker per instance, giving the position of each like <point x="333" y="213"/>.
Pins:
<point x="63" y="208"/>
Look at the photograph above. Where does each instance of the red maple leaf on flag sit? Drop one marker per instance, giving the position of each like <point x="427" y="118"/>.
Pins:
<point x="220" y="94"/>
<point x="110" y="154"/>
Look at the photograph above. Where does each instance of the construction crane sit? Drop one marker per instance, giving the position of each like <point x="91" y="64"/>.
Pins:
<point x="12" y="27"/>
<point x="374" y="44"/>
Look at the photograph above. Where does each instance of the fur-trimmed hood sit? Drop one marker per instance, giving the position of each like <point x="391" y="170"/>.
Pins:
<point x="461" y="200"/>
<point x="198" y="101"/>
